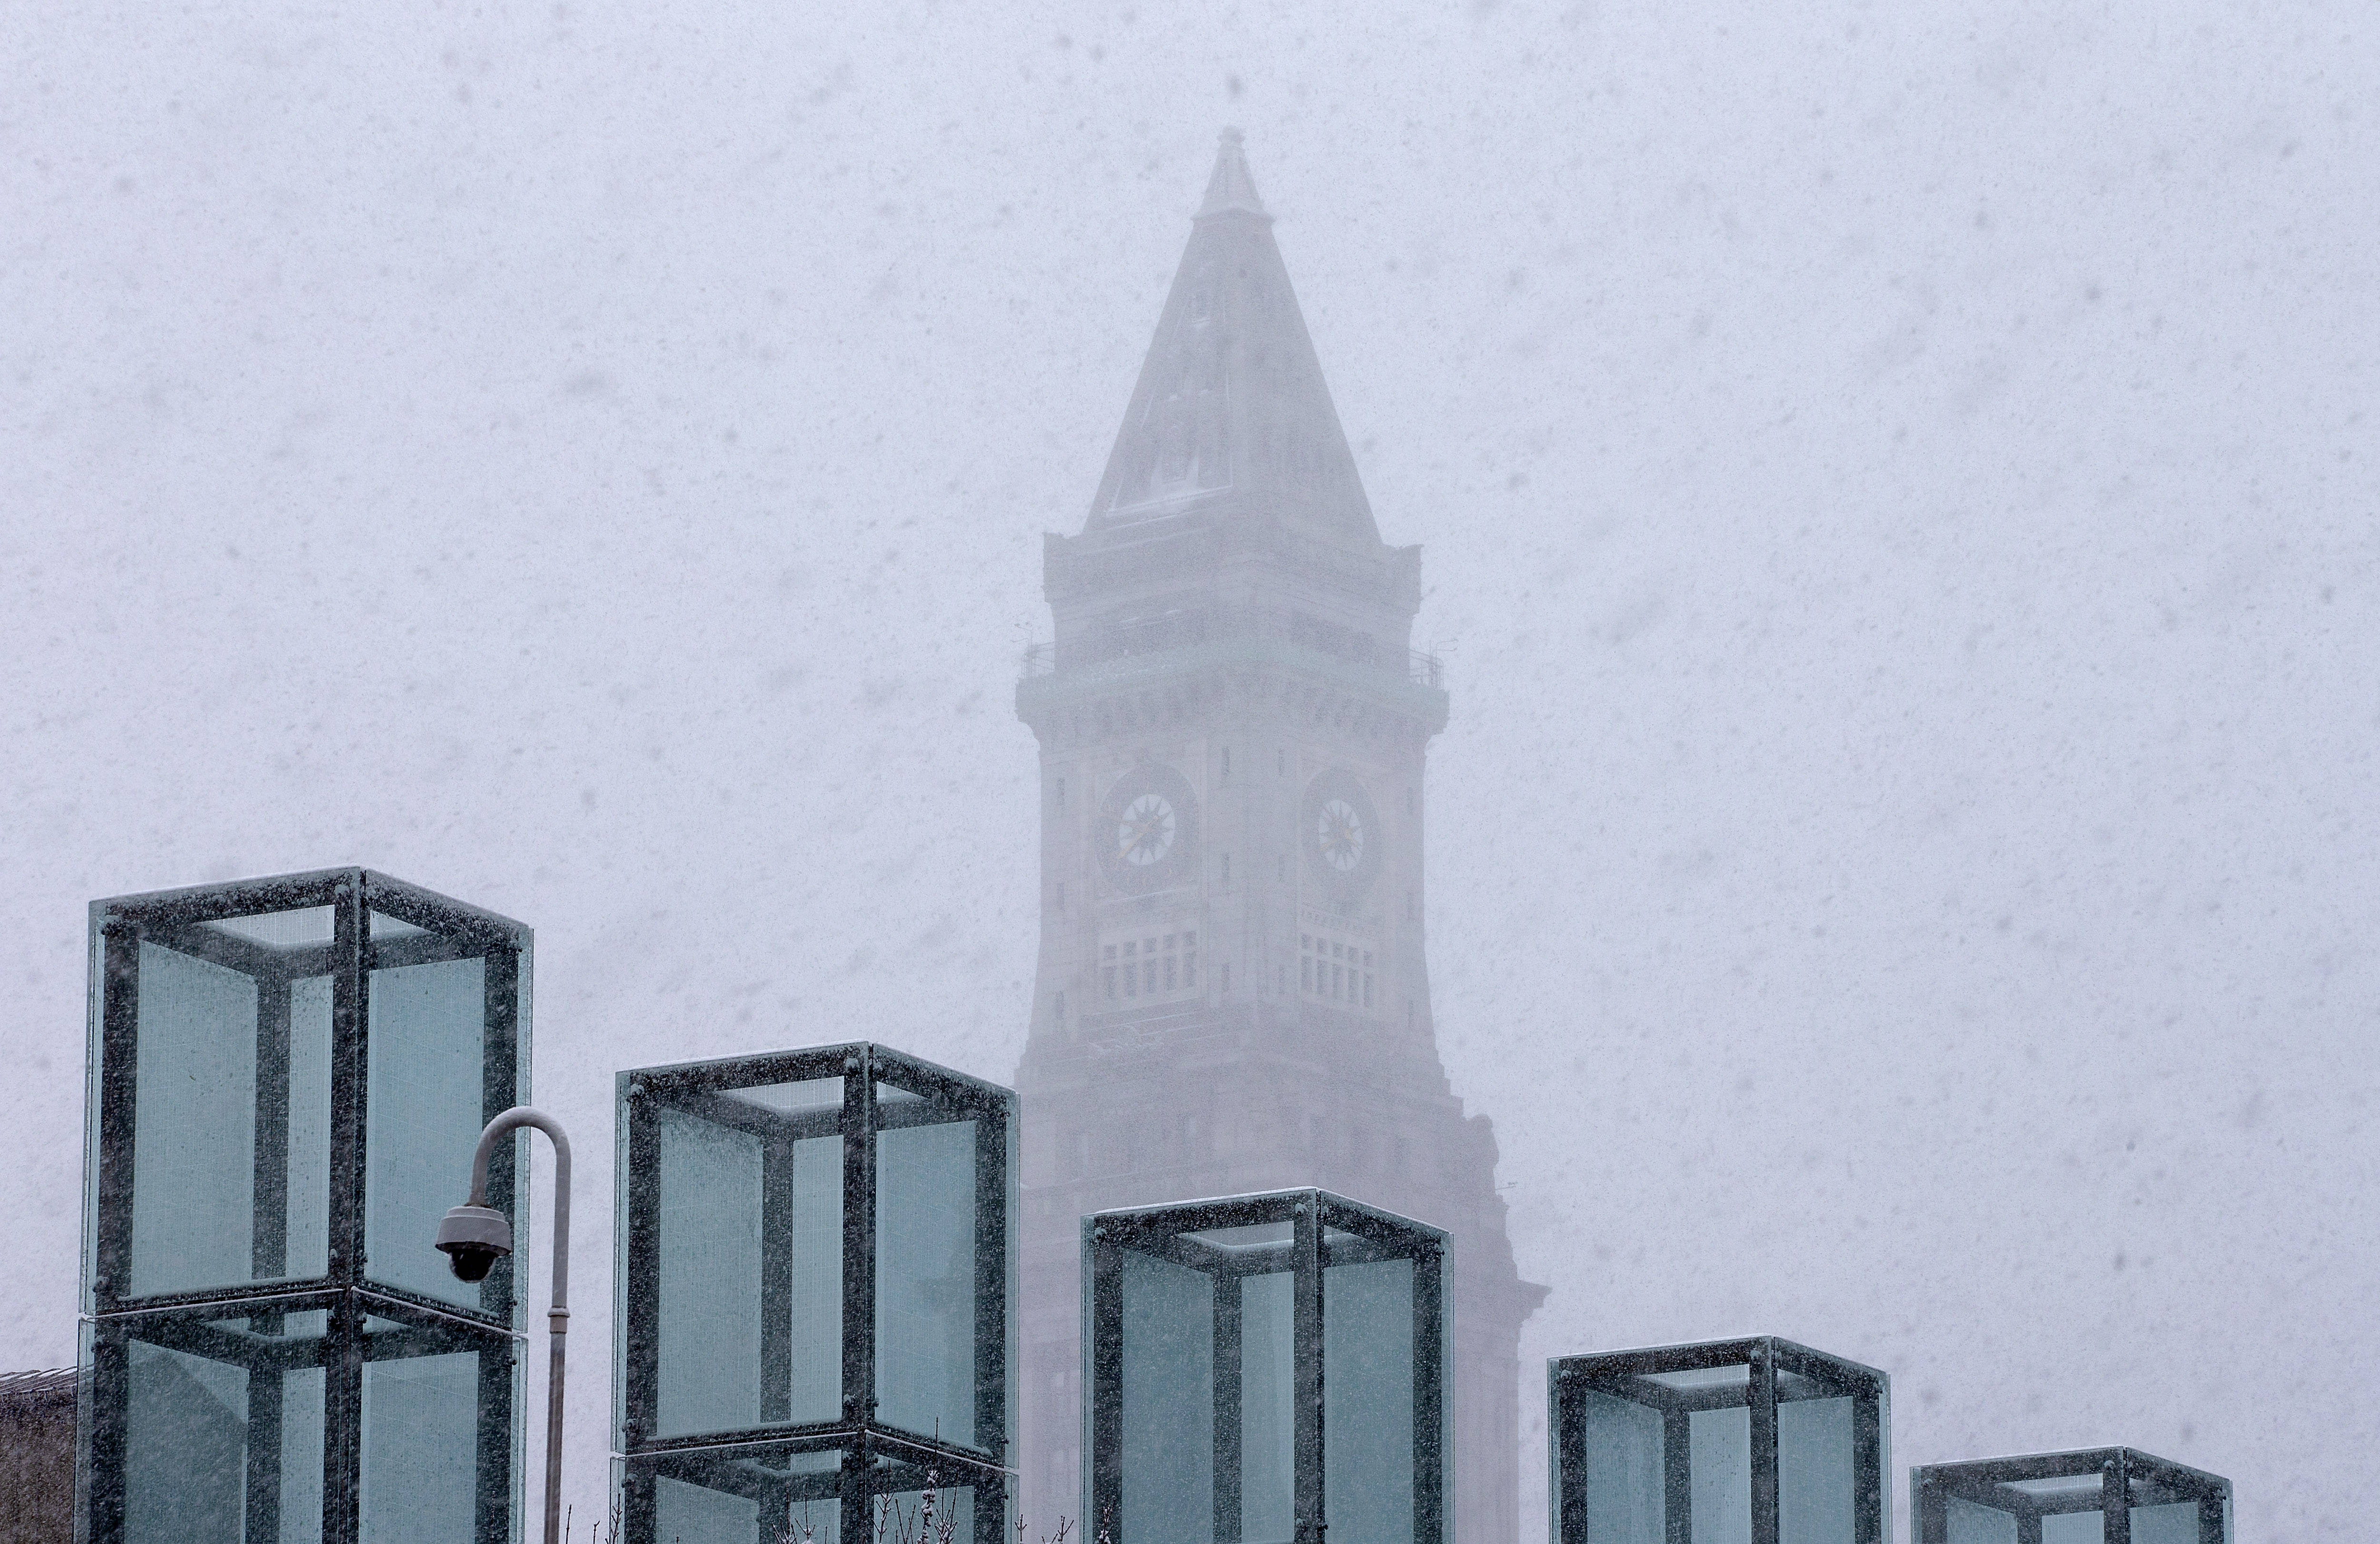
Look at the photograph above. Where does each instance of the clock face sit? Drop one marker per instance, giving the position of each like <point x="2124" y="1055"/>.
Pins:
<point x="1339" y="831"/>
<point x="1144" y="834"/>
<point x="1343" y="835"/>
<point x="1147" y="837"/>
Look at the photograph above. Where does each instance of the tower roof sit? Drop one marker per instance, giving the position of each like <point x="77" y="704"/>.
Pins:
<point x="1231" y="188"/>
<point x="1230" y="414"/>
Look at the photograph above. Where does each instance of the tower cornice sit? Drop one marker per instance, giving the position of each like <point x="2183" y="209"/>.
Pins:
<point x="1193" y="546"/>
<point x="1227" y="672"/>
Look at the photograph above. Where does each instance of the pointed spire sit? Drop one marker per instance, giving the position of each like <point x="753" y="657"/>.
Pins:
<point x="1232" y="415"/>
<point x="1231" y="189"/>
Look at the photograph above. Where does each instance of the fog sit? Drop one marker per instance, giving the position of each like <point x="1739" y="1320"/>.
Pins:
<point x="1898" y="495"/>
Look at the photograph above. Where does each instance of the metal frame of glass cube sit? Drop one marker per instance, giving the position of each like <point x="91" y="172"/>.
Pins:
<point x="1196" y="1395"/>
<point x="815" y="1298"/>
<point x="2016" y="1500"/>
<point x="287" y="1077"/>
<point x="1625" y="1450"/>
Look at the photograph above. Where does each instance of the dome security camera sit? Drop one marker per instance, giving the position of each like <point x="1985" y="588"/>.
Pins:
<point x="474" y="1238"/>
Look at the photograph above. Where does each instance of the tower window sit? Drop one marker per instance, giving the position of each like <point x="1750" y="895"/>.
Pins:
<point x="1227" y="764"/>
<point x="1334" y="968"/>
<point x="1284" y="867"/>
<point x="1062" y="897"/>
<point x="1061" y="793"/>
<point x="1061" y="1007"/>
<point x="1227" y="979"/>
<point x="1227" y="871"/>
<point x="1150" y="966"/>
<point x="1281" y="762"/>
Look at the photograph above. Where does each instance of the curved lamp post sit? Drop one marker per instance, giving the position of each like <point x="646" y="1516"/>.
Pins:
<point x="474" y="1235"/>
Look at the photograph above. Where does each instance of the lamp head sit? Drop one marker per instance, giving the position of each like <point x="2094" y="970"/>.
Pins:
<point x="474" y="1237"/>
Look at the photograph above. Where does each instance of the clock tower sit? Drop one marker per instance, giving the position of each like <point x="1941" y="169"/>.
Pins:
<point x="1232" y="993"/>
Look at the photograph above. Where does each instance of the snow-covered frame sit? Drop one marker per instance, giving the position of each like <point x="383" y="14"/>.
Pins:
<point x="1322" y="1230"/>
<point x="259" y="1312"/>
<point x="847" y="1464"/>
<point x="2113" y="1482"/>
<point x="1666" y="1386"/>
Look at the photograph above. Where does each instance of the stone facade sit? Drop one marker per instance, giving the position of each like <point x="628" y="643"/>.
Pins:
<point x="37" y="1457"/>
<point x="1232" y="994"/>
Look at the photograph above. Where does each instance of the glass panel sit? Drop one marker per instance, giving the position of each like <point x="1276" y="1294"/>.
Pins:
<point x="731" y="1497"/>
<point x="1268" y="1392"/>
<point x="1368" y="1380"/>
<point x="2073" y="1528"/>
<point x="215" y="1451"/>
<point x="1168" y="1402"/>
<point x="2062" y="1493"/>
<point x="1970" y="1523"/>
<point x="420" y="1445"/>
<point x="813" y="1265"/>
<point x="304" y="928"/>
<point x="697" y="1515"/>
<point x="231" y="1118"/>
<point x="925" y="1278"/>
<point x="812" y="1097"/>
<point x="185" y="1448"/>
<point x="945" y="1515"/>
<point x="301" y="1457"/>
<point x="813" y="1520"/>
<point x="307" y="1241"/>
<point x="1256" y="1236"/>
<point x="749" y="1230"/>
<point x="193" y="1180"/>
<point x="424" y="1106"/>
<point x="2175" y="1523"/>
<point x="1719" y="1443"/>
<point x="808" y="1508"/>
<point x="1815" y="1490"/>
<point x="709" y="1255"/>
<point x="1624" y="1470"/>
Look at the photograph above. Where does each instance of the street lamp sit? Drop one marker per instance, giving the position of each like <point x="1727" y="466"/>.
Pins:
<point x="474" y="1235"/>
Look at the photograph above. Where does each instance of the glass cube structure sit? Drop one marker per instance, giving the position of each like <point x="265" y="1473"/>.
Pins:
<point x="1740" y="1441"/>
<point x="815" y="1330"/>
<point x="1262" y="1367"/>
<point x="2095" y="1496"/>
<point x="287" y="1078"/>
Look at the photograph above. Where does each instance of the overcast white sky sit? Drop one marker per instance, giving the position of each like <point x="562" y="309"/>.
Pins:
<point x="1901" y="501"/>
